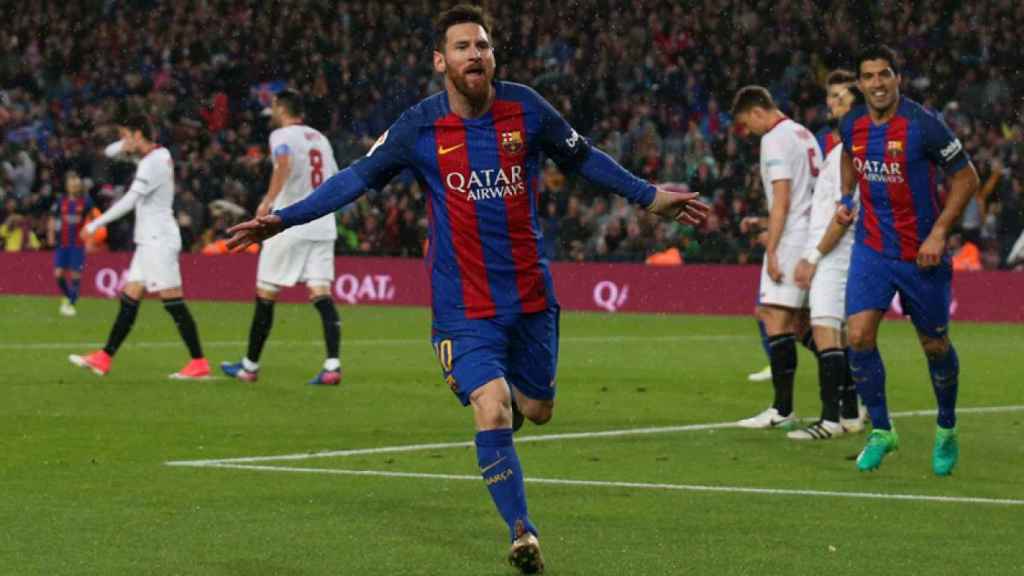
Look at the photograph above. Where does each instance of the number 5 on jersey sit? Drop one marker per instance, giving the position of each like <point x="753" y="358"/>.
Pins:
<point x="810" y="162"/>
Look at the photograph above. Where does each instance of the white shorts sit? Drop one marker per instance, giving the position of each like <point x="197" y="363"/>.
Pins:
<point x="828" y="291"/>
<point x="155" y="267"/>
<point x="785" y="293"/>
<point x="286" y="261"/>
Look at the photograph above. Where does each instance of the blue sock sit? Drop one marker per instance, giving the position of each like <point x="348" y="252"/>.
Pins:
<point x="500" y="468"/>
<point x="868" y="373"/>
<point x="62" y="283"/>
<point x="76" y="284"/>
<point x="945" y="373"/>
<point x="764" y="339"/>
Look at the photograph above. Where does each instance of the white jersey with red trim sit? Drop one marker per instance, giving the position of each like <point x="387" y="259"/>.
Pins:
<point x="790" y="152"/>
<point x="312" y="163"/>
<point x="154" y="214"/>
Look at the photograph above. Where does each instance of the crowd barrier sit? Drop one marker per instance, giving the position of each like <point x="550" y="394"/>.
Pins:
<point x="987" y="296"/>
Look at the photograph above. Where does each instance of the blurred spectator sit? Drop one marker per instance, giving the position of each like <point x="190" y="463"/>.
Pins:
<point x="16" y="232"/>
<point x="21" y="174"/>
<point x="644" y="83"/>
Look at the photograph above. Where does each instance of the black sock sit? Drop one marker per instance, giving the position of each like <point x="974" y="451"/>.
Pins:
<point x="848" y="392"/>
<point x="62" y="283"/>
<point x="262" y="321"/>
<point x="782" y="353"/>
<point x="76" y="285"/>
<point x="332" y="324"/>
<point x="808" y="341"/>
<point x="832" y="370"/>
<point x="123" y="324"/>
<point x="178" y="310"/>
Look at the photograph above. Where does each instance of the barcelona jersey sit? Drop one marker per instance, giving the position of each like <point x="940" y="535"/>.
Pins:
<point x="896" y="175"/>
<point x="482" y="178"/>
<point x="827" y="140"/>
<point x="69" y="213"/>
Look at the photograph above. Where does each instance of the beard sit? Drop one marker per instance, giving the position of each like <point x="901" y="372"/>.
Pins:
<point x="476" y="93"/>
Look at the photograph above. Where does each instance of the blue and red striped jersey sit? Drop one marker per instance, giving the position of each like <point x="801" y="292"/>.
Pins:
<point x="482" y="177"/>
<point x="70" y="213"/>
<point x="482" y="181"/>
<point x="896" y="175"/>
<point x="826" y="140"/>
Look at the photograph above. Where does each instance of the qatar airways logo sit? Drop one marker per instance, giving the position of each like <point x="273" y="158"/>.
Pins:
<point x="879" y="171"/>
<point x="487" y="184"/>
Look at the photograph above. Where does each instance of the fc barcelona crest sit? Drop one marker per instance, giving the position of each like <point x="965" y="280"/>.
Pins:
<point x="512" y="142"/>
<point x="894" y="148"/>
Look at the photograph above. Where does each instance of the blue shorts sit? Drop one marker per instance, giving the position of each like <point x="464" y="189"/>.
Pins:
<point x="72" y="258"/>
<point x="522" y="348"/>
<point x="924" y="293"/>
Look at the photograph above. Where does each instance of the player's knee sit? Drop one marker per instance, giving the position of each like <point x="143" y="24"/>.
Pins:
<point x="491" y="408"/>
<point x="266" y="291"/>
<point x="318" y="289"/>
<point x="861" y="338"/>
<point x="935" y="347"/>
<point x="134" y="290"/>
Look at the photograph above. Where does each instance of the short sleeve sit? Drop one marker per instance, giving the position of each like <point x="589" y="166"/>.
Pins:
<point x="941" y="146"/>
<point x="389" y="154"/>
<point x="776" y="162"/>
<point x="55" y="208"/>
<point x="558" y="139"/>
<point x="278" y="146"/>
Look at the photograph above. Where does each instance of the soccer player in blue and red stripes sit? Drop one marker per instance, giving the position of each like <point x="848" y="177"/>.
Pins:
<point x="66" y="221"/>
<point x="478" y="149"/>
<point x="892" y="148"/>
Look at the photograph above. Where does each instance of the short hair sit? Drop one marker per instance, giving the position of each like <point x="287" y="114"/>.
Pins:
<point x="858" y="96"/>
<point x="140" y="123"/>
<point x="878" y="52"/>
<point x="840" y="76"/>
<point x="459" y="14"/>
<point x="752" y="96"/>
<point x="292" y="102"/>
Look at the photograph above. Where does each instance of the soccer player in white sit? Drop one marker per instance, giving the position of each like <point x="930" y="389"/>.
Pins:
<point x="154" y="266"/>
<point x="303" y="159"/>
<point x="790" y="159"/>
<point x="823" y="270"/>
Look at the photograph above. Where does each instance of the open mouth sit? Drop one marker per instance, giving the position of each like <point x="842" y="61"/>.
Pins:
<point x="474" y="72"/>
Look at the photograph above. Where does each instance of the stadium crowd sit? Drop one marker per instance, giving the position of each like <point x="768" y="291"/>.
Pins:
<point x="650" y="84"/>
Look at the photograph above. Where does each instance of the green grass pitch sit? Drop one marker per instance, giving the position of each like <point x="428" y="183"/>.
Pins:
<point x="84" y="488"/>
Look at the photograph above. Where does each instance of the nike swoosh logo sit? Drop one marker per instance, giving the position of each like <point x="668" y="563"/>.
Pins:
<point x="441" y="150"/>
<point x="858" y="148"/>
<point x="492" y="465"/>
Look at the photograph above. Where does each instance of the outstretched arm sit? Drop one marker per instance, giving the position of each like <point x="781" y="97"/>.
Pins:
<point x="573" y="153"/>
<point x="339" y="190"/>
<point x="385" y="160"/>
<point x="602" y="170"/>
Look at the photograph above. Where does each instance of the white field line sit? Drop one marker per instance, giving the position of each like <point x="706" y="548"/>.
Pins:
<point x="375" y="342"/>
<point x="639" y="485"/>
<point x="536" y="438"/>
